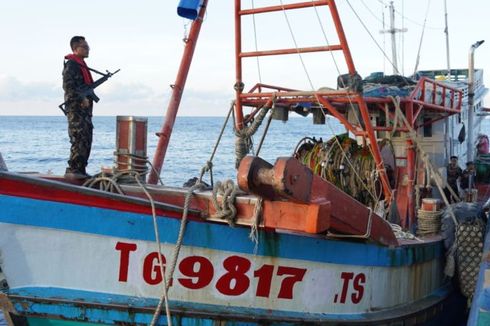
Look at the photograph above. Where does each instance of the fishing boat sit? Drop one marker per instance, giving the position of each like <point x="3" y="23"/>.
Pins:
<point x="330" y="235"/>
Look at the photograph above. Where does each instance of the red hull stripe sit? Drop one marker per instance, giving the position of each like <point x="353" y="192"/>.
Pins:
<point x="12" y="185"/>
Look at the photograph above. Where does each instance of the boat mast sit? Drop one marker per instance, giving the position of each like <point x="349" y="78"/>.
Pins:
<point x="471" y="99"/>
<point x="177" y="91"/>
<point x="393" y="31"/>
<point x="446" y="31"/>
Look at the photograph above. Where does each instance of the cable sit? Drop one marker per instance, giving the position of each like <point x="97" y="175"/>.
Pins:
<point x="296" y="45"/>
<point x="256" y="44"/>
<point x="371" y="35"/>
<point x="421" y="38"/>
<point x="372" y="13"/>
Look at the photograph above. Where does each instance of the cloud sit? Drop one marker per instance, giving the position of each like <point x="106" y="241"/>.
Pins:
<point x="12" y="89"/>
<point x="127" y="92"/>
<point x="42" y="98"/>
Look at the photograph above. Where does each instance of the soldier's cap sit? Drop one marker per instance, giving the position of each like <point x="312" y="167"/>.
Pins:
<point x="453" y="157"/>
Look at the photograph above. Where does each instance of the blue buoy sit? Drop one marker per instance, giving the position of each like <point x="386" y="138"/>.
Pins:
<point x="189" y="8"/>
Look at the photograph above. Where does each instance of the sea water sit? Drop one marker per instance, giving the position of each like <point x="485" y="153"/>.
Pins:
<point x="41" y="144"/>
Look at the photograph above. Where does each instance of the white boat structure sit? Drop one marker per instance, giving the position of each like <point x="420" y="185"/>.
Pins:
<point x="330" y="226"/>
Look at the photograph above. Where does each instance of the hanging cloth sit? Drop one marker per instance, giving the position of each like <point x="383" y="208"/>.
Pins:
<point x="87" y="76"/>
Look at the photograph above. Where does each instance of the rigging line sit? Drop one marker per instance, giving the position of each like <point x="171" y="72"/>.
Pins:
<point x="328" y="43"/>
<point x="296" y="45"/>
<point x="384" y="43"/>
<point x="417" y="23"/>
<point x="256" y="44"/>
<point x="417" y="61"/>
<point x="371" y="12"/>
<point x="351" y="104"/>
<point x="336" y="67"/>
<point x="186" y="23"/>
<point x="371" y="35"/>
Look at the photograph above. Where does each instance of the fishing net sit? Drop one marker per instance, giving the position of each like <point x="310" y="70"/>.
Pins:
<point x="469" y="237"/>
<point x="465" y="244"/>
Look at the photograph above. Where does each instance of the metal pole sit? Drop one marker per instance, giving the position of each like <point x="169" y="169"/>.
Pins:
<point x="178" y="90"/>
<point x="238" y="66"/>
<point x="393" y="32"/>
<point x="448" y="123"/>
<point x="471" y="98"/>
<point x="446" y="31"/>
<point x="393" y="39"/>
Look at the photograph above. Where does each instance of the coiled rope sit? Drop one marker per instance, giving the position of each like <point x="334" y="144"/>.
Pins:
<point x="428" y="222"/>
<point x="226" y="208"/>
<point x="243" y="140"/>
<point x="342" y="162"/>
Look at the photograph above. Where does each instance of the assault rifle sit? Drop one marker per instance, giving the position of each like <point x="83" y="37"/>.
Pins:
<point x="87" y="91"/>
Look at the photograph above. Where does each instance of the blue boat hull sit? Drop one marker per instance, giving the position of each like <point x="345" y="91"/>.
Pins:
<point x="85" y="259"/>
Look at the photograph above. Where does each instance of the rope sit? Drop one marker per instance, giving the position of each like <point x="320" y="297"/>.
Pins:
<point x="345" y="164"/>
<point x="208" y="166"/>
<point x="109" y="184"/>
<point x="175" y="256"/>
<point x="226" y="209"/>
<point x="400" y="234"/>
<point x="372" y="37"/>
<point x="3" y="166"/>
<point x="105" y="183"/>
<point x="266" y="129"/>
<point x="311" y="84"/>
<point x="296" y="45"/>
<point x="421" y="39"/>
<point x="353" y="109"/>
<point x="256" y="44"/>
<point x="222" y="130"/>
<point x="395" y="121"/>
<point x="144" y="169"/>
<point x="243" y="141"/>
<point x="254" y="229"/>
<point x="428" y="222"/>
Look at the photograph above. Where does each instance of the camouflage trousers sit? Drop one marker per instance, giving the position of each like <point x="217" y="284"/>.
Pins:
<point x="80" y="129"/>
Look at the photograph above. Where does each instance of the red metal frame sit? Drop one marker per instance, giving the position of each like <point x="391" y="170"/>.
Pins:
<point x="324" y="98"/>
<point x="428" y="96"/>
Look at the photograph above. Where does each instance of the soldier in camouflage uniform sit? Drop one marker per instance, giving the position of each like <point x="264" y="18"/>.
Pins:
<point x="78" y="108"/>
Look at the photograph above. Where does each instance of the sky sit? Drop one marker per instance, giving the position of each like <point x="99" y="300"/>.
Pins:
<point x="144" y="39"/>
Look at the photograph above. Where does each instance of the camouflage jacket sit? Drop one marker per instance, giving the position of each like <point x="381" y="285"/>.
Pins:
<point x="453" y="173"/>
<point x="72" y="80"/>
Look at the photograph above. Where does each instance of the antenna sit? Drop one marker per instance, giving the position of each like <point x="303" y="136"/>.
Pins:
<point x="393" y="31"/>
<point x="446" y="31"/>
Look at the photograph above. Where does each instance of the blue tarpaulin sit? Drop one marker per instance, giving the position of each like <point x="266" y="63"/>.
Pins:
<point x="189" y="8"/>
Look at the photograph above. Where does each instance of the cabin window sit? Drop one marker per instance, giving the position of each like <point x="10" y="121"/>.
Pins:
<point x="427" y="127"/>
